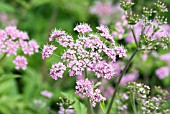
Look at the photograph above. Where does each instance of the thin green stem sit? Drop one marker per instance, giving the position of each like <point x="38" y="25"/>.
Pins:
<point x="136" y="42"/>
<point x="3" y="57"/>
<point x="91" y="108"/>
<point x="85" y="73"/>
<point x="88" y="100"/>
<point x="134" y="104"/>
<point x="119" y="80"/>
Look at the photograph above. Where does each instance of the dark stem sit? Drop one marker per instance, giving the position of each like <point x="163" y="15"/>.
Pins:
<point x="136" y="42"/>
<point x="119" y="80"/>
<point x="3" y="57"/>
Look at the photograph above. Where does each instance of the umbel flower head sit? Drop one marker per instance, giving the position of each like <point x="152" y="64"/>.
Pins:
<point x="91" y="52"/>
<point x="88" y="52"/>
<point x="12" y="39"/>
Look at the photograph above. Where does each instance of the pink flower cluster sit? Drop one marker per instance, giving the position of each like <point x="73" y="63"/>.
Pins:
<point x="83" y="28"/>
<point x="57" y="70"/>
<point x="47" y="51"/>
<point x="120" y="27"/>
<point x="164" y="71"/>
<point x="46" y="93"/>
<point x="106" y="12"/>
<point x="86" y="52"/>
<point x="20" y="62"/>
<point x="6" y="19"/>
<point x="89" y="53"/>
<point x="11" y="39"/>
<point x="85" y="89"/>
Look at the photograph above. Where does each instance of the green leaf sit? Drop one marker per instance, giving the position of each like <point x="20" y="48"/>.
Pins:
<point x="79" y="107"/>
<point x="97" y="84"/>
<point x="102" y="105"/>
<point x="6" y="77"/>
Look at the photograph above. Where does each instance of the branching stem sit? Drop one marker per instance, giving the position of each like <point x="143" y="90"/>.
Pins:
<point x="119" y="80"/>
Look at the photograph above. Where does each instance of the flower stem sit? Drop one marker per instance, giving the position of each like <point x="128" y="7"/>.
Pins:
<point x="132" y="29"/>
<point x="119" y="80"/>
<point x="91" y="108"/>
<point x="85" y="73"/>
<point x="88" y="100"/>
<point x="3" y="57"/>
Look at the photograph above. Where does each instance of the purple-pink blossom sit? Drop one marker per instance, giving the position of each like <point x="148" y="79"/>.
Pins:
<point x="84" y="88"/>
<point x="46" y="93"/>
<point x="12" y="39"/>
<point x="57" y="70"/>
<point x="47" y="51"/>
<point x="56" y="34"/>
<point x="96" y="97"/>
<point x="129" y="78"/>
<point x="20" y="62"/>
<point x="104" y="70"/>
<point x="162" y="72"/>
<point x="83" y="28"/>
<point x="165" y="57"/>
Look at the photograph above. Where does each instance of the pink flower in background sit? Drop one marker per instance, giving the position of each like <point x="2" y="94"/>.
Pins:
<point x="70" y="110"/>
<point x="165" y="57"/>
<point x="6" y="19"/>
<point x="20" y="62"/>
<point x="102" y="9"/>
<point x="109" y="91"/>
<point x="12" y="39"/>
<point x="144" y="57"/>
<point x="106" y="12"/>
<point x="162" y="72"/>
<point x="117" y="68"/>
<point x="46" y="93"/>
<point x="129" y="78"/>
<point x="164" y="31"/>
<point x="137" y="30"/>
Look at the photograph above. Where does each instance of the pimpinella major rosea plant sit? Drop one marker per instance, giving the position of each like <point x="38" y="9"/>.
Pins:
<point x="11" y="41"/>
<point x="95" y="52"/>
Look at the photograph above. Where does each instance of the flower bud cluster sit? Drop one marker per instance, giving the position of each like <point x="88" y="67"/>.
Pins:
<point x="149" y="104"/>
<point x="11" y="40"/>
<point x="140" y="90"/>
<point x="126" y="4"/>
<point x="160" y="6"/>
<point x="65" y="106"/>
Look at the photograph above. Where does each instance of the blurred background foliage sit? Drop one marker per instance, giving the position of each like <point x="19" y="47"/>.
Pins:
<point x="20" y="89"/>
